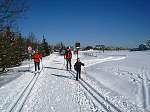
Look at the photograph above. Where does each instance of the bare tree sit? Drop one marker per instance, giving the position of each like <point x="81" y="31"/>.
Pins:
<point x="10" y="11"/>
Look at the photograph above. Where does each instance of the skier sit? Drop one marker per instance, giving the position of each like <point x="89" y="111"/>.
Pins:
<point x="37" y="57"/>
<point x="77" y="67"/>
<point x="68" y="57"/>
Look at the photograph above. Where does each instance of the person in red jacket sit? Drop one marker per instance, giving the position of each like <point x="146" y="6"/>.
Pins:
<point x="37" y="57"/>
<point x="68" y="57"/>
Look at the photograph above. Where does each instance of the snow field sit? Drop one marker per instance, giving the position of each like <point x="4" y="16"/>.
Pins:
<point x="114" y="81"/>
<point x="125" y="77"/>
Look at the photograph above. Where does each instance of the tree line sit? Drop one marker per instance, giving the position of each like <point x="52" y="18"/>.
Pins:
<point x="142" y="47"/>
<point x="14" y="48"/>
<point x="104" y="47"/>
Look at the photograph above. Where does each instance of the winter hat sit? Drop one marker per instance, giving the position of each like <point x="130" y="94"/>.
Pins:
<point x="68" y="47"/>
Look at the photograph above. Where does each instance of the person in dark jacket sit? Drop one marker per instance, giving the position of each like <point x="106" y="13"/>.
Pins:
<point x="77" y="67"/>
<point x="68" y="57"/>
<point x="37" y="57"/>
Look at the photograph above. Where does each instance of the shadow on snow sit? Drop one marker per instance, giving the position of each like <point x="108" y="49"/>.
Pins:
<point x="63" y="76"/>
<point x="55" y="68"/>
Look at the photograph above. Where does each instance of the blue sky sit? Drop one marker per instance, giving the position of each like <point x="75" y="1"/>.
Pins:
<point x="111" y="22"/>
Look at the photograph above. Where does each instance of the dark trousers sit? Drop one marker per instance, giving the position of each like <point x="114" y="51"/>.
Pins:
<point x="68" y="63"/>
<point x="78" y="74"/>
<point x="37" y="65"/>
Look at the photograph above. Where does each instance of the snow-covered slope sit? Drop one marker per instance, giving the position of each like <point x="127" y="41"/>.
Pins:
<point x="127" y="77"/>
<point x="111" y="81"/>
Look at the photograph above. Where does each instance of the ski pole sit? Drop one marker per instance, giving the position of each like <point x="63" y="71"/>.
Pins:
<point x="41" y="64"/>
<point x="29" y="64"/>
<point x="64" y="61"/>
<point x="85" y="70"/>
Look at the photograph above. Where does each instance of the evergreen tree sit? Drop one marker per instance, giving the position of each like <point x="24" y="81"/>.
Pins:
<point x="20" y="47"/>
<point x="8" y="50"/>
<point x="44" y="48"/>
<point x="13" y="48"/>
